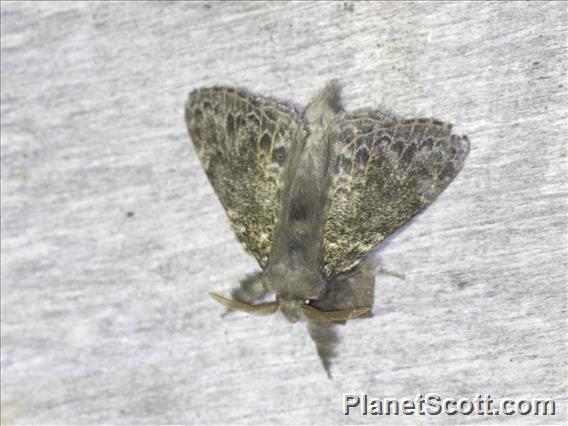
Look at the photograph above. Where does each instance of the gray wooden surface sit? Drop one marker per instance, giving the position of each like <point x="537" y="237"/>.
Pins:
<point x="112" y="236"/>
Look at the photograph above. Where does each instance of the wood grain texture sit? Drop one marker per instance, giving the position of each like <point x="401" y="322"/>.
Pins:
<point x="112" y="237"/>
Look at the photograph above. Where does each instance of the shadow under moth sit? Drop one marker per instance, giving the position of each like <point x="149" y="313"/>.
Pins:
<point x="309" y="194"/>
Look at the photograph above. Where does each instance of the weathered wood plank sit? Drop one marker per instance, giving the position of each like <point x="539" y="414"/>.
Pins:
<point x="112" y="236"/>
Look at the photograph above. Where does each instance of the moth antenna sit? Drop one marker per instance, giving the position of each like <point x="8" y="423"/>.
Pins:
<point x="260" y="309"/>
<point x="329" y="316"/>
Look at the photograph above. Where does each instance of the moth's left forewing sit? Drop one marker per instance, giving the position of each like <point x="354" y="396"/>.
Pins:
<point x="244" y="143"/>
<point x="386" y="170"/>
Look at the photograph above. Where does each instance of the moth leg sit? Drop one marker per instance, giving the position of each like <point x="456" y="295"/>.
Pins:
<point x="250" y="291"/>
<point x="352" y="290"/>
<point x="382" y="271"/>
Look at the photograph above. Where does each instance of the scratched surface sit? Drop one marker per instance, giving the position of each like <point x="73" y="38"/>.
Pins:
<point x="112" y="236"/>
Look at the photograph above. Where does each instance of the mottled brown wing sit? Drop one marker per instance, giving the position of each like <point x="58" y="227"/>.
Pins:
<point x="243" y="142"/>
<point x="386" y="171"/>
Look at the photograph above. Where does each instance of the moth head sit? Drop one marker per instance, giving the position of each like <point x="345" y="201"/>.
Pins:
<point x="292" y="309"/>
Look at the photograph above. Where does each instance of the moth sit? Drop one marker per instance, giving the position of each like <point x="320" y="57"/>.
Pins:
<point x="310" y="193"/>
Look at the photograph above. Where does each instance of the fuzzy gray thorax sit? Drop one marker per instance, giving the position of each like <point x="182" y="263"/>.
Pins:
<point x="293" y="270"/>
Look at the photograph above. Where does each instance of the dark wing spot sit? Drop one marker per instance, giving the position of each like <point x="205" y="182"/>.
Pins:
<point x="265" y="142"/>
<point x="409" y="154"/>
<point x="398" y="146"/>
<point x="230" y="125"/>
<point x="279" y="156"/>
<point x="427" y="143"/>
<point x="362" y="155"/>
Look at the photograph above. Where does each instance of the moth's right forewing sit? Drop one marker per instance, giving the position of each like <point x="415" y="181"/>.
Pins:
<point x="385" y="172"/>
<point x="244" y="143"/>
